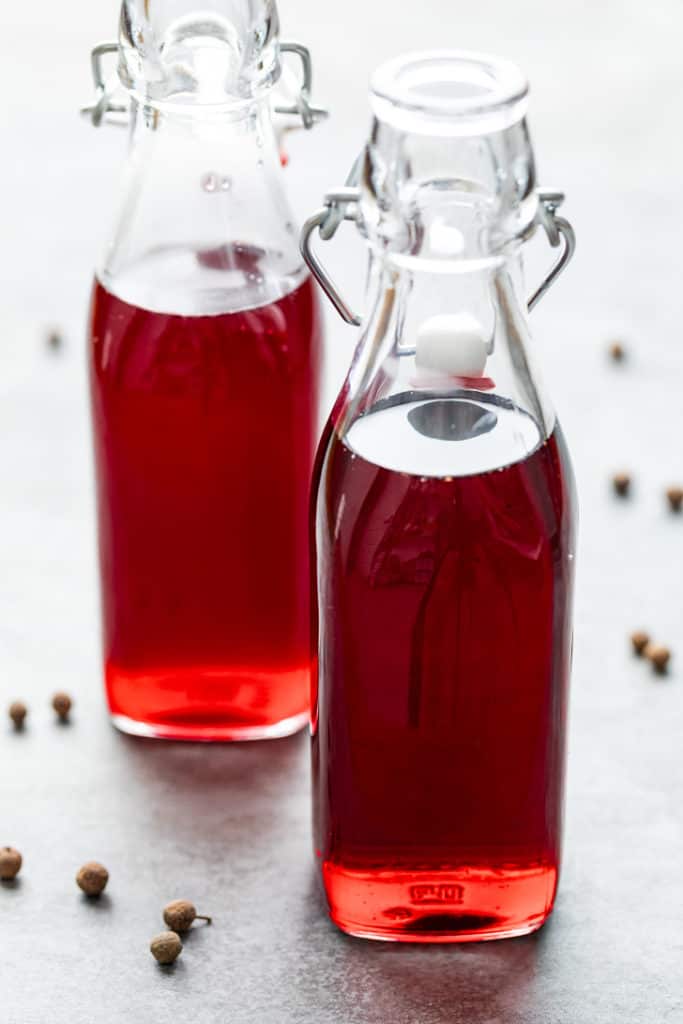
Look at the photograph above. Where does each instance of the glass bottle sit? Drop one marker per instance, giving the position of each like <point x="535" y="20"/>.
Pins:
<point x="205" y="362"/>
<point x="445" y="530"/>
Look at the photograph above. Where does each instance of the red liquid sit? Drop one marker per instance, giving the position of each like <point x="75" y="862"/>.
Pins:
<point x="205" y="429"/>
<point x="439" y="725"/>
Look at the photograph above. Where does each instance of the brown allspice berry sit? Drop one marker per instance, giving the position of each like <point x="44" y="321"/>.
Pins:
<point x="639" y="641"/>
<point x="62" y="704"/>
<point x="166" y="948"/>
<point x="617" y="352"/>
<point x="621" y="483"/>
<point x="659" y="657"/>
<point x="10" y="863"/>
<point x="55" y="339"/>
<point x="674" y="496"/>
<point x="92" y="878"/>
<point x="18" y="712"/>
<point x="180" y="915"/>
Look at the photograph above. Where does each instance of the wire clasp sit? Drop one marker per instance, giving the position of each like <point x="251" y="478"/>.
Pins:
<point x="302" y="105"/>
<point x="342" y="204"/>
<point x="103" y="107"/>
<point x="105" y="110"/>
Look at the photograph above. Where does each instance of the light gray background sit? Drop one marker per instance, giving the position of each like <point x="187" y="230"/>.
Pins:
<point x="228" y="827"/>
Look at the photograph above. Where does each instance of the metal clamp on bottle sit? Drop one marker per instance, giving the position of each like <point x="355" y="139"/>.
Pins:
<point x="342" y="204"/>
<point x="104" y="109"/>
<point x="559" y="232"/>
<point x="302" y="105"/>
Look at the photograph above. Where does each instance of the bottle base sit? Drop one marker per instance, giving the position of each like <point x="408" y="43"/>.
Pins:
<point x="466" y="905"/>
<point x="215" y="732"/>
<point x="209" y="704"/>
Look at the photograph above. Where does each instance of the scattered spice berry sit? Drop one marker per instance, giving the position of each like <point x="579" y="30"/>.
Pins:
<point x="659" y="657"/>
<point x="180" y="915"/>
<point x="62" y="704"/>
<point x="55" y="339"/>
<point x="622" y="484"/>
<point x="10" y="863"/>
<point x="92" y="878"/>
<point x="166" y="947"/>
<point x="617" y="352"/>
<point x="640" y="640"/>
<point x="18" y="712"/>
<point x="675" y="498"/>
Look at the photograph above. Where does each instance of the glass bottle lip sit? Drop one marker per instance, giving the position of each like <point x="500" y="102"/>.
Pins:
<point x="449" y="92"/>
<point x="177" y="54"/>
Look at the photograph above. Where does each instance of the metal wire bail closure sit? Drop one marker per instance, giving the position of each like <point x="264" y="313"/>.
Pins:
<point x="342" y="204"/>
<point x="103" y="105"/>
<point x="104" y="109"/>
<point x="302" y="105"/>
<point x="559" y="233"/>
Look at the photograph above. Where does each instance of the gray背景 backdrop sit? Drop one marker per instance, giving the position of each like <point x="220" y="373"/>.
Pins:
<point x="229" y="827"/>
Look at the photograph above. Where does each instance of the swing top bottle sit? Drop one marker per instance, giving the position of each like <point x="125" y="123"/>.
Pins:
<point x="205" y="357"/>
<point x="445" y="530"/>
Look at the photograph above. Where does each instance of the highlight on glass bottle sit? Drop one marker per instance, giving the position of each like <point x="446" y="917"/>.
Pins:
<point x="205" y="360"/>
<point x="445" y="529"/>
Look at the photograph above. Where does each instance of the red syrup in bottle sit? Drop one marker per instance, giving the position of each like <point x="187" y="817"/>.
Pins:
<point x="205" y="428"/>
<point x="440" y="713"/>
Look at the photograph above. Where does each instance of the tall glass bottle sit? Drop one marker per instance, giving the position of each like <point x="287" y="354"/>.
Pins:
<point x="445" y="531"/>
<point x="205" y="358"/>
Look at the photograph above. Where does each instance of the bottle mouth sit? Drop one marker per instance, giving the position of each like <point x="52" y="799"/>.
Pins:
<point x="449" y="92"/>
<point x="180" y="54"/>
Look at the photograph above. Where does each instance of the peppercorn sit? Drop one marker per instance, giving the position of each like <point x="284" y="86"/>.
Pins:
<point x="18" y="712"/>
<point x="166" y="948"/>
<point x="10" y="863"/>
<point x="622" y="484"/>
<point x="659" y="657"/>
<point x="675" y="498"/>
<point x="617" y="352"/>
<point x="92" y="878"/>
<point x="55" y="339"/>
<point x="180" y="915"/>
<point x="62" y="704"/>
<point x="640" y="641"/>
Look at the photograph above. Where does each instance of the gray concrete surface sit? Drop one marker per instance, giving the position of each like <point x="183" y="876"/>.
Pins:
<point x="229" y="827"/>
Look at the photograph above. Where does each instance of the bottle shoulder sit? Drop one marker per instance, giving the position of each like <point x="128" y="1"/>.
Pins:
<point x="202" y="222"/>
<point x="206" y="280"/>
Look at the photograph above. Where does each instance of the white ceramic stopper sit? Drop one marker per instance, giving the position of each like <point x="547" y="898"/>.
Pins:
<point x="454" y="343"/>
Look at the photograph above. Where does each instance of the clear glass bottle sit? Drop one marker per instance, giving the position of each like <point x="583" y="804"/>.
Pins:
<point x="445" y="531"/>
<point x="205" y="358"/>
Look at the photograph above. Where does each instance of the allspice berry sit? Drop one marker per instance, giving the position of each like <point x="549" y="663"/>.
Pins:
<point x="10" y="863"/>
<point x="659" y="657"/>
<point x="62" y="704"/>
<point x="166" y="948"/>
<point x="617" y="352"/>
<point x="640" y="640"/>
<point x="622" y="484"/>
<point x="18" y="712"/>
<point x="55" y="339"/>
<point x="92" y="878"/>
<point x="180" y="915"/>
<point x="675" y="498"/>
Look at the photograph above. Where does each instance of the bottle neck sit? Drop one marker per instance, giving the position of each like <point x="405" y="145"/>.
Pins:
<point x="447" y="200"/>
<point x="430" y="332"/>
<point x="209" y="122"/>
<point x="182" y="52"/>
<point x="204" y="226"/>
